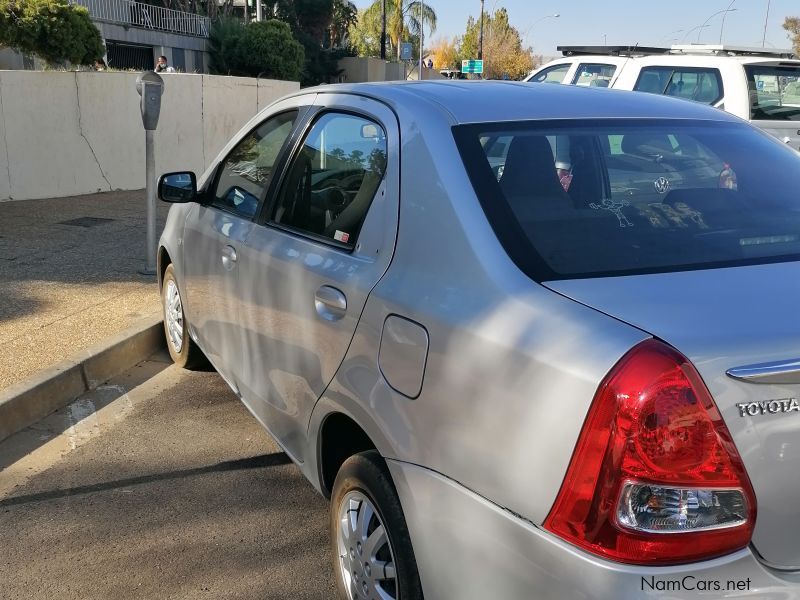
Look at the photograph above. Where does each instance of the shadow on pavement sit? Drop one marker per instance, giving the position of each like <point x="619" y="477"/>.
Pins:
<point x="254" y="462"/>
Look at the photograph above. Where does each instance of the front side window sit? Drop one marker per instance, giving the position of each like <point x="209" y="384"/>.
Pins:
<point x="552" y="75"/>
<point x="774" y="92"/>
<point x="623" y="197"/>
<point x="333" y="178"/>
<point x="594" y="75"/>
<point x="245" y="173"/>
<point x="700" y="85"/>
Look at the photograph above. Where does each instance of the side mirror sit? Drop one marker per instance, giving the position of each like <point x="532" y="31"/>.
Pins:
<point x="178" y="187"/>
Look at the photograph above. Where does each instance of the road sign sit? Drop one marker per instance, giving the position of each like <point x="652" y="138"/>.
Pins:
<point x="472" y="66"/>
<point x="406" y="51"/>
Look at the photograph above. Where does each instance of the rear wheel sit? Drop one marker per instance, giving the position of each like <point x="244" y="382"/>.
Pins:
<point x="182" y="349"/>
<point x="372" y="553"/>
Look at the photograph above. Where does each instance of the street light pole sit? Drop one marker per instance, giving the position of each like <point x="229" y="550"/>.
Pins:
<point x="480" y="39"/>
<point x="704" y="25"/>
<point x="722" y="27"/>
<point x="383" y="30"/>
<point x="537" y="21"/>
<point x="421" y="39"/>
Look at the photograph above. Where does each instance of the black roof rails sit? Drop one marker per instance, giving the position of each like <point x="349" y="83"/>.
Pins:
<point x="610" y="50"/>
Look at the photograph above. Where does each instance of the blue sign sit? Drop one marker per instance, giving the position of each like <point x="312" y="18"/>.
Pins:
<point x="406" y="51"/>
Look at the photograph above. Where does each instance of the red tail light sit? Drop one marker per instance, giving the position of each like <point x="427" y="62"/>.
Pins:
<point x="655" y="477"/>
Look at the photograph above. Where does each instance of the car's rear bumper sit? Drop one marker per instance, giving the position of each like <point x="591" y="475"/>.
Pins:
<point x="467" y="547"/>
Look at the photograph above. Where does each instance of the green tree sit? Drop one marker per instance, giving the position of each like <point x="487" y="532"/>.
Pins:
<point x="503" y="53"/>
<point x="345" y="15"/>
<point x="365" y="34"/>
<point x="223" y="45"/>
<point x="403" y="22"/>
<point x="310" y="21"/>
<point x="265" y="48"/>
<point x="52" y="29"/>
<point x="792" y="26"/>
<point x="268" y="48"/>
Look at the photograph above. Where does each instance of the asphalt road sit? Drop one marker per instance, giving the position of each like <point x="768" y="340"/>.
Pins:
<point x="158" y="485"/>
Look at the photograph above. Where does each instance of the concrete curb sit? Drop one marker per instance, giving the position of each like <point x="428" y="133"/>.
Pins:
<point x="26" y="402"/>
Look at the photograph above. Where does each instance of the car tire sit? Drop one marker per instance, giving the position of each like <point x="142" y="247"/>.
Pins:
<point x="182" y="349"/>
<point x="363" y="499"/>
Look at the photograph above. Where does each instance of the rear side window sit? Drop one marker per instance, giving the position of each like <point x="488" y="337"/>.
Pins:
<point x="774" y="92"/>
<point x="700" y="85"/>
<point x="552" y="75"/>
<point x="622" y="197"/>
<point x="333" y="178"/>
<point x="594" y="75"/>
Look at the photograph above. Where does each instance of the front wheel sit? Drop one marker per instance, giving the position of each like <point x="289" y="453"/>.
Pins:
<point x="182" y="349"/>
<point x="372" y="553"/>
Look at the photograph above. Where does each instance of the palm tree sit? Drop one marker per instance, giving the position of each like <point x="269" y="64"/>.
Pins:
<point x="405" y="16"/>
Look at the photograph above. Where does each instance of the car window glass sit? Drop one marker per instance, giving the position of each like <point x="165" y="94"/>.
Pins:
<point x="245" y="172"/>
<point x="700" y="85"/>
<point x="774" y="92"/>
<point x="638" y="197"/>
<point x="333" y="178"/>
<point x="552" y="75"/>
<point x="594" y="75"/>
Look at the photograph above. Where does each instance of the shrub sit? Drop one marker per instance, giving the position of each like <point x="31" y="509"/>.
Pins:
<point x="53" y="29"/>
<point x="268" y="48"/>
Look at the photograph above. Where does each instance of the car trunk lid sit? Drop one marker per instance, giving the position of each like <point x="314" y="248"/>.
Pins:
<point x="725" y="319"/>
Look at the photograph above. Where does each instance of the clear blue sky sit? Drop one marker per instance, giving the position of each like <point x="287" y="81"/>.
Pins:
<point x="624" y="21"/>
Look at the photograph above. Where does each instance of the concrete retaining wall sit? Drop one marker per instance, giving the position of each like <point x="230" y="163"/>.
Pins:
<point x="71" y="133"/>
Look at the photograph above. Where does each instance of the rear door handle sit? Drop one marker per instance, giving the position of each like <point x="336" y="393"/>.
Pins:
<point x="331" y="304"/>
<point x="229" y="257"/>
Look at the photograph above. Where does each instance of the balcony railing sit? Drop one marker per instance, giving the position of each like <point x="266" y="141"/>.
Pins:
<point x="147" y="16"/>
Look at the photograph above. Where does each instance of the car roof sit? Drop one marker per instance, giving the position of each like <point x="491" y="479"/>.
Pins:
<point x="478" y="101"/>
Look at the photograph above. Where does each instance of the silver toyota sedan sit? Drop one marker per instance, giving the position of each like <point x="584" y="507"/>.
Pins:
<point x="532" y="341"/>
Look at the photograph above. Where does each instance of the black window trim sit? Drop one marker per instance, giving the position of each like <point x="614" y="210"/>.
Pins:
<point x="508" y="229"/>
<point x="713" y="70"/>
<point x="208" y="194"/>
<point x="599" y="64"/>
<point x="266" y="215"/>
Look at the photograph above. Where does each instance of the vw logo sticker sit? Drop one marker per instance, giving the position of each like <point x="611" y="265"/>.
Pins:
<point x="662" y="185"/>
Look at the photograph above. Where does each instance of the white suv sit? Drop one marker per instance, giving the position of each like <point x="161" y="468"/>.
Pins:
<point x="757" y="84"/>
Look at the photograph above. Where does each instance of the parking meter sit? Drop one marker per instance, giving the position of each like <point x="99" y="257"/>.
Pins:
<point x="150" y="87"/>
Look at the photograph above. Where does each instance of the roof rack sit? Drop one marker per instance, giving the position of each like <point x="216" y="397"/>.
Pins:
<point x="610" y="50"/>
<point x="725" y="50"/>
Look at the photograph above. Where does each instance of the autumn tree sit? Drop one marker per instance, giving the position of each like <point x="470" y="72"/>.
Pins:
<point x="503" y="53"/>
<point x="445" y="53"/>
<point x="792" y="26"/>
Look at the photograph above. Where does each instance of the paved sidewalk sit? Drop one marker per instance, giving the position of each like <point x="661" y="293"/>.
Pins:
<point x="68" y="276"/>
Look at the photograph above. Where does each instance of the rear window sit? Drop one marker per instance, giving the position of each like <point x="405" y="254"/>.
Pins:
<point x="594" y="75"/>
<point x="774" y="92"/>
<point x="616" y="197"/>
<point x="689" y="83"/>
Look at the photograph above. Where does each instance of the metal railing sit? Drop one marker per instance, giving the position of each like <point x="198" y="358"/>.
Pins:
<point x="147" y="16"/>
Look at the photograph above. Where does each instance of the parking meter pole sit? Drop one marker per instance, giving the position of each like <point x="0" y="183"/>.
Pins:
<point x="150" y="87"/>
<point x="150" y="173"/>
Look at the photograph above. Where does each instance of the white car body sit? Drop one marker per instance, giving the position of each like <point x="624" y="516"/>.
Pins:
<point x="726" y="64"/>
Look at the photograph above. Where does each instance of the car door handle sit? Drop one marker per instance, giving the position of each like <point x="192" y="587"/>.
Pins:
<point x="331" y="304"/>
<point x="229" y="257"/>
